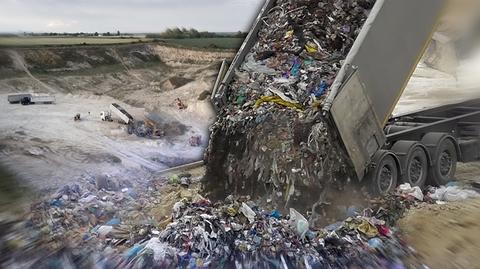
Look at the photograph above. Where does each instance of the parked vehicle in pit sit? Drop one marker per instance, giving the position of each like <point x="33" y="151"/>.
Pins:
<point x="38" y="99"/>
<point x="106" y="116"/>
<point x="121" y="113"/>
<point x="17" y="98"/>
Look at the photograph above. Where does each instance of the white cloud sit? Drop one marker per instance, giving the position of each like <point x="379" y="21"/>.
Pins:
<point x="126" y="15"/>
<point x="61" y="24"/>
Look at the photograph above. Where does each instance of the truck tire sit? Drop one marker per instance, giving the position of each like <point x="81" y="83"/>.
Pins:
<point x="444" y="163"/>
<point x="384" y="176"/>
<point x="414" y="162"/>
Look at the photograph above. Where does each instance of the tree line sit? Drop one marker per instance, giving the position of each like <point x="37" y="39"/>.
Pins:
<point x="170" y="33"/>
<point x="77" y="34"/>
<point x="182" y="33"/>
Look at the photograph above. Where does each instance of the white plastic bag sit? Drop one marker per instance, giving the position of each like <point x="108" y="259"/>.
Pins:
<point x="298" y="222"/>
<point x="415" y="192"/>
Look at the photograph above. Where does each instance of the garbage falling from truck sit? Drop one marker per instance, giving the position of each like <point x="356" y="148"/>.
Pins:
<point x="270" y="137"/>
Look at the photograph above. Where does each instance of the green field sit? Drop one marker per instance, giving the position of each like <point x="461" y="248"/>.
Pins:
<point x="221" y="43"/>
<point x="59" y="41"/>
<point x="36" y="41"/>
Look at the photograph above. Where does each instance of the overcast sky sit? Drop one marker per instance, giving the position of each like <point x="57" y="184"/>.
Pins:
<point x="126" y="15"/>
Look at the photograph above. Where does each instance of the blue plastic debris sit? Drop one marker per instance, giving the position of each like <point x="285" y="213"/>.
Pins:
<point x="276" y="214"/>
<point x="452" y="184"/>
<point x="56" y="203"/>
<point x="321" y="89"/>
<point x="113" y="222"/>
<point x="296" y="67"/>
<point x="133" y="251"/>
<point x="375" y="243"/>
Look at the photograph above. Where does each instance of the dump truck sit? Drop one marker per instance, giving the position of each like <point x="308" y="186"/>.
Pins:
<point x="417" y="148"/>
<point x="121" y="113"/>
<point x="29" y="98"/>
<point x="38" y="98"/>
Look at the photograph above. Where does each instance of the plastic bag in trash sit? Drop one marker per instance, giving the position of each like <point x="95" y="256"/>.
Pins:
<point x="160" y="250"/>
<point x="415" y="192"/>
<point x="299" y="222"/>
<point x="248" y="212"/>
<point x="453" y="194"/>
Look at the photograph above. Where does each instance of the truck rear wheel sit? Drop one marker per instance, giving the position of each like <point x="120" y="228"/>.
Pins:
<point x="414" y="162"/>
<point x="384" y="176"/>
<point x="417" y="168"/>
<point x="444" y="164"/>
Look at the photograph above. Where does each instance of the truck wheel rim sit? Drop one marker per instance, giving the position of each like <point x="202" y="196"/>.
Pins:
<point x="446" y="163"/>
<point x="415" y="170"/>
<point x="385" y="179"/>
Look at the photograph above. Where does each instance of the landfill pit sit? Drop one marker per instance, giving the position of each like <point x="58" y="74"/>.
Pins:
<point x="46" y="148"/>
<point x="271" y="156"/>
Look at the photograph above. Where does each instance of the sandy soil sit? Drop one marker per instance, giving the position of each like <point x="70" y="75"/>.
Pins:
<point x="445" y="236"/>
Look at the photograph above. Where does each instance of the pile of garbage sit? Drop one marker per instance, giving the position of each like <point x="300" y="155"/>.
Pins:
<point x="81" y="222"/>
<point x="270" y="138"/>
<point x="452" y="192"/>
<point x="107" y="224"/>
<point x="238" y="234"/>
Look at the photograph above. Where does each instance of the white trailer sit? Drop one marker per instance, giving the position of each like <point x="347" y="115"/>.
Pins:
<point x="121" y="113"/>
<point x="17" y="98"/>
<point x="42" y="99"/>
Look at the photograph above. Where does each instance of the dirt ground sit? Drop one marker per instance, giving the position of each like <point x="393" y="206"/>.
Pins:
<point x="445" y="236"/>
<point x="43" y="144"/>
<point x="44" y="147"/>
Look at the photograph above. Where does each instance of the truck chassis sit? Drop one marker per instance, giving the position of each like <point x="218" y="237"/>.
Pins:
<point x="426" y="145"/>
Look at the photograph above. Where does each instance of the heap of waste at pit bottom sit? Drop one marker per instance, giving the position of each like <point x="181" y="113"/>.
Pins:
<point x="106" y="226"/>
<point x="85" y="227"/>
<point x="270" y="139"/>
